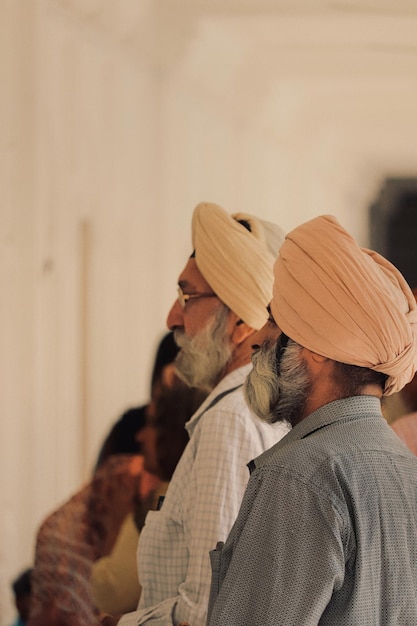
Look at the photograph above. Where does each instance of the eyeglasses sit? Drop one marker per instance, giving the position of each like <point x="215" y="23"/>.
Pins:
<point x="184" y="297"/>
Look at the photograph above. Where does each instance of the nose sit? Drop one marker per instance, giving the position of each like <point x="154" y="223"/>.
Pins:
<point x="175" y="316"/>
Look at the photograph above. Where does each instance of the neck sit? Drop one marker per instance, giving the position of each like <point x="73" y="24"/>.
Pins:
<point x="241" y="340"/>
<point x="316" y="401"/>
<point x="242" y="355"/>
<point x="235" y="364"/>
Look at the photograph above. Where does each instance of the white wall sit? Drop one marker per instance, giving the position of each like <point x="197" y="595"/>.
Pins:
<point x="117" y="119"/>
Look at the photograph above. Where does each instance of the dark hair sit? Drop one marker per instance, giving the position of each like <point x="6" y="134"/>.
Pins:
<point x="121" y="439"/>
<point x="282" y="343"/>
<point x="166" y="352"/>
<point x="22" y="584"/>
<point x="245" y="224"/>
<point x="353" y="378"/>
<point x="173" y="408"/>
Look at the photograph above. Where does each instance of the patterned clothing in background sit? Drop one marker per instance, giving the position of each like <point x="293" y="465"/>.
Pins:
<point x="327" y="531"/>
<point x="201" y="504"/>
<point x="74" y="536"/>
<point x="406" y="429"/>
<point x="114" y="578"/>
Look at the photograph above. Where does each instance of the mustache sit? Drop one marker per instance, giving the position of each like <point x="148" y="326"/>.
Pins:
<point x="264" y="354"/>
<point x="180" y="338"/>
<point x="276" y="389"/>
<point x="278" y="346"/>
<point x="261" y="387"/>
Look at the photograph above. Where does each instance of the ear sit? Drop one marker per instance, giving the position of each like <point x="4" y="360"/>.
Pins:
<point x="315" y="362"/>
<point x="241" y="331"/>
<point x="317" y="358"/>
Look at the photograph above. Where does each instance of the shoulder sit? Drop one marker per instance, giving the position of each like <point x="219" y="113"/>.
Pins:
<point x="231" y="420"/>
<point x="231" y="409"/>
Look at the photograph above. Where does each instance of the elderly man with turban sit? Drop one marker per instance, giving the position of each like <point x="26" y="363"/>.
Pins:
<point x="223" y="294"/>
<point x="327" y="530"/>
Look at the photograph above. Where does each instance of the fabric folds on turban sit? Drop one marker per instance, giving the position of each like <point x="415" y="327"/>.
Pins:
<point x="237" y="263"/>
<point x="345" y="302"/>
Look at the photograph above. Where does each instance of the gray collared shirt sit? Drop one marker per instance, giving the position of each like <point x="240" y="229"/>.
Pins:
<point x="327" y="530"/>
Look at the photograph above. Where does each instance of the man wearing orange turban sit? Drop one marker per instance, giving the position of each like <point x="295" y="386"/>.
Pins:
<point x="327" y="530"/>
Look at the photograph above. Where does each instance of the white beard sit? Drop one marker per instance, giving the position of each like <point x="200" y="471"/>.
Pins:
<point x="203" y="358"/>
<point x="277" y="391"/>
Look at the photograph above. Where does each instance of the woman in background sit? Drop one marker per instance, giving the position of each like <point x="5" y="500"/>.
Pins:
<point x="114" y="580"/>
<point x="86" y="527"/>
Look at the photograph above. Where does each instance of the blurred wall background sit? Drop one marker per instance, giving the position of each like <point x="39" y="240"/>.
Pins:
<point x="117" y="118"/>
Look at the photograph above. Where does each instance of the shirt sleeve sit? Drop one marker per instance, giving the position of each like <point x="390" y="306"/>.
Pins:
<point x="158" y="615"/>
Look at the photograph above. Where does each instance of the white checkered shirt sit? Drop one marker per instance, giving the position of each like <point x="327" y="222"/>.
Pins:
<point x="201" y="504"/>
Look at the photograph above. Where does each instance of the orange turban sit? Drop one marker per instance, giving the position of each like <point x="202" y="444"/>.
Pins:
<point x="345" y="302"/>
<point x="237" y="263"/>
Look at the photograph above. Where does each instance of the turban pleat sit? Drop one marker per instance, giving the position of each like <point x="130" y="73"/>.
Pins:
<point x="345" y="302"/>
<point x="237" y="263"/>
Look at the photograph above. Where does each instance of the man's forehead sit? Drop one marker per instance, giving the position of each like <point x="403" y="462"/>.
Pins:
<point x="192" y="278"/>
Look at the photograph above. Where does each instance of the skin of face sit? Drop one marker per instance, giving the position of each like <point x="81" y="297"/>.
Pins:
<point x="195" y="319"/>
<point x="270" y="331"/>
<point x="197" y="311"/>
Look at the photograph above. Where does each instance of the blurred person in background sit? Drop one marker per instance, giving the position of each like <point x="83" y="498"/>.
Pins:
<point x="22" y="591"/>
<point x="405" y="425"/>
<point x="86" y="527"/>
<point x="114" y="578"/>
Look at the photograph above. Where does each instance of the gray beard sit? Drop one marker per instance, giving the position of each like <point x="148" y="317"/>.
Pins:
<point x="203" y="358"/>
<point x="277" y="391"/>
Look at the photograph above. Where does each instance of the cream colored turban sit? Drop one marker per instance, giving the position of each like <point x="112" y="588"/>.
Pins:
<point x="236" y="263"/>
<point x="345" y="302"/>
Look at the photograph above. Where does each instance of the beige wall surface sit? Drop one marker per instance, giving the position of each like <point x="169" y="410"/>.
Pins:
<point x="117" y="118"/>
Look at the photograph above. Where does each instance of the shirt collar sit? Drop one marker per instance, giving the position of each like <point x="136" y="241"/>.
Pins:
<point x="234" y="378"/>
<point x="325" y="415"/>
